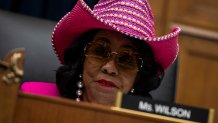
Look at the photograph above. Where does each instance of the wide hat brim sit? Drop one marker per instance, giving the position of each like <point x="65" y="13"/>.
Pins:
<point x="81" y="19"/>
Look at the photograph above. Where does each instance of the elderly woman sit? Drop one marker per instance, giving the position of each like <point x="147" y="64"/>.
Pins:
<point x="109" y="47"/>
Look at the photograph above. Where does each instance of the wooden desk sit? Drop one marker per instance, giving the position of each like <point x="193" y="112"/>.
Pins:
<point x="38" y="109"/>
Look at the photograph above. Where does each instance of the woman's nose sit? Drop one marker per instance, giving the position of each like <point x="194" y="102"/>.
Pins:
<point x="110" y="68"/>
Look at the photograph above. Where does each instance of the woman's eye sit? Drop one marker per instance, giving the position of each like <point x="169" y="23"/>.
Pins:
<point x="101" y="51"/>
<point x="126" y="59"/>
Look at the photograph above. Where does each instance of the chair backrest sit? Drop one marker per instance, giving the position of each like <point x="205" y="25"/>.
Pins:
<point x="34" y="35"/>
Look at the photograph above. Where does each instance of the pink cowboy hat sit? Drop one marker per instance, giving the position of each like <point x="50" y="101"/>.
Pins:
<point x="130" y="17"/>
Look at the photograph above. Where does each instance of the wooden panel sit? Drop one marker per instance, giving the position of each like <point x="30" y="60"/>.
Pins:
<point x="200" y="13"/>
<point x="159" y="9"/>
<point x="198" y="71"/>
<point x="38" y="109"/>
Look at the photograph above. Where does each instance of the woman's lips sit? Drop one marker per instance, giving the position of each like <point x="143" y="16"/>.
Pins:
<point x="106" y="83"/>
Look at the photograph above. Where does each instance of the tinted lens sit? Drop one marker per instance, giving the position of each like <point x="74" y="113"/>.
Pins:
<point x="128" y="60"/>
<point x="98" y="51"/>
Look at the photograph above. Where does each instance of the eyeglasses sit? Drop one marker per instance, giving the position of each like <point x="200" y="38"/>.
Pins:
<point x="125" y="59"/>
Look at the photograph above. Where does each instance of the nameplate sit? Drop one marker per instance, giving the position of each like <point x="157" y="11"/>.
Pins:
<point x="164" y="108"/>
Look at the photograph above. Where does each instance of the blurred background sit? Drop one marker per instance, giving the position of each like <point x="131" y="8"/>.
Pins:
<point x="47" y="9"/>
<point x="191" y="80"/>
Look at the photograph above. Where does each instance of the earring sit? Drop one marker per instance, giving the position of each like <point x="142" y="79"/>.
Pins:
<point x="132" y="90"/>
<point x="79" y="91"/>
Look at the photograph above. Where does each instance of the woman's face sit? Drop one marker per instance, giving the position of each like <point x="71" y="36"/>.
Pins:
<point x="104" y="74"/>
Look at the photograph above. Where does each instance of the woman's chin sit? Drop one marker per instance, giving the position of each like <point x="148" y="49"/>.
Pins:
<point x="108" y="102"/>
<point x="101" y="97"/>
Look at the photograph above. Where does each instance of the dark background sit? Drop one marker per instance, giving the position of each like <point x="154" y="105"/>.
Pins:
<point x="48" y="9"/>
